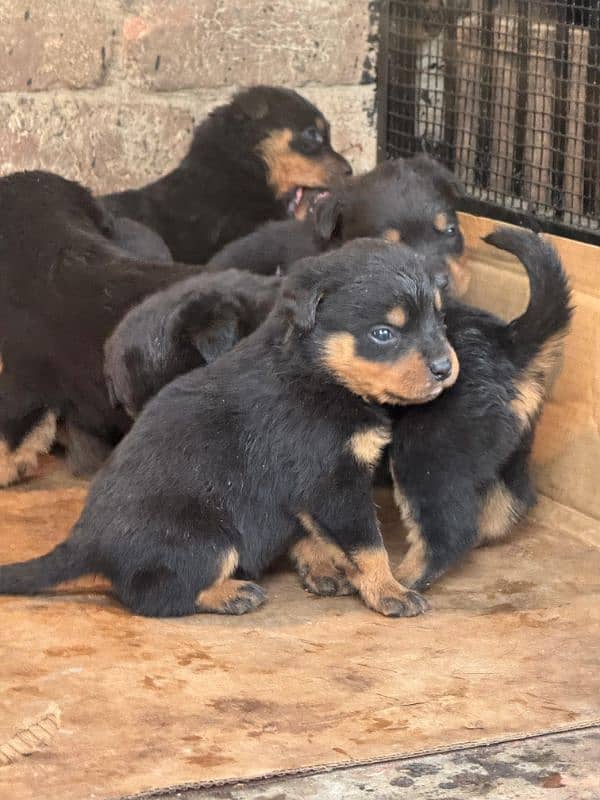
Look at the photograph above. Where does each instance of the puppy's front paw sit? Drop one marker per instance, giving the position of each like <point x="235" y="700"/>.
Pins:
<point x="419" y="579"/>
<point x="411" y="604"/>
<point x="379" y="588"/>
<point x="248" y="597"/>
<point x="392" y="599"/>
<point x="231" y="597"/>
<point x="413" y="570"/>
<point x="333" y="584"/>
<point x="315" y="563"/>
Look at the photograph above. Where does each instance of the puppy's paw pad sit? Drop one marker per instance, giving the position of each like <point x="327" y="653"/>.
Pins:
<point x="410" y="604"/>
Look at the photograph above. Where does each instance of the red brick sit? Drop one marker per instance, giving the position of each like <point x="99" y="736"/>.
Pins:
<point x="47" y="44"/>
<point x="183" y="44"/>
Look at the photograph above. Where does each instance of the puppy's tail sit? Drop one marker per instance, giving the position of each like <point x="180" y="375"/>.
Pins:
<point x="67" y="561"/>
<point x="537" y="334"/>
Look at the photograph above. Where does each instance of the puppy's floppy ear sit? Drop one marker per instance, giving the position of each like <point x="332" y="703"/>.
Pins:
<point x="209" y="321"/>
<point x="426" y="165"/>
<point x="213" y="340"/>
<point x="302" y="292"/>
<point x="328" y="218"/>
<point x="252" y="104"/>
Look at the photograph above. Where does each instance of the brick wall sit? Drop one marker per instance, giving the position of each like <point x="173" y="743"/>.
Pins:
<point x="108" y="91"/>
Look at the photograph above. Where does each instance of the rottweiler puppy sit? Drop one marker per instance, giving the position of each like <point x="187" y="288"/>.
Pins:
<point x="461" y="463"/>
<point x="412" y="200"/>
<point x="406" y="199"/>
<point x="180" y="328"/>
<point x="64" y="285"/>
<point x="158" y="339"/>
<point x="269" y="446"/>
<point x="249" y="162"/>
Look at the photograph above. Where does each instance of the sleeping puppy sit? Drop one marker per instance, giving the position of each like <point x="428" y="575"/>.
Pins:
<point x="64" y="285"/>
<point x="185" y="326"/>
<point x="270" y="447"/>
<point x="249" y="162"/>
<point x="155" y="341"/>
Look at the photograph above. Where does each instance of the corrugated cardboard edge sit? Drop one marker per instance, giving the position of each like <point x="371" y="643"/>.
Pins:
<point x="337" y="765"/>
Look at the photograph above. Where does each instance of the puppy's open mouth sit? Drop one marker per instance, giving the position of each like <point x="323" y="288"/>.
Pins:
<point x="303" y="199"/>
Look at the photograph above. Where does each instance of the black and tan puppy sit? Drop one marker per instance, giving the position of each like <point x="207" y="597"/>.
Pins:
<point x="271" y="445"/>
<point x="461" y="464"/>
<point x="64" y="285"/>
<point x="180" y="328"/>
<point x="158" y="339"/>
<point x="405" y="199"/>
<point x="411" y="200"/>
<point x="249" y="162"/>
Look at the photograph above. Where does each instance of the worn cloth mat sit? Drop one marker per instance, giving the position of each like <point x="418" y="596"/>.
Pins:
<point x="511" y="647"/>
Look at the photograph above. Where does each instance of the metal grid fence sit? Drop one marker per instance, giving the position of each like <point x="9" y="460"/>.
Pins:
<point x="507" y="94"/>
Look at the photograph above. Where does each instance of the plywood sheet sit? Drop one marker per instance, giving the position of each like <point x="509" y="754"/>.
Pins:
<point x="510" y="647"/>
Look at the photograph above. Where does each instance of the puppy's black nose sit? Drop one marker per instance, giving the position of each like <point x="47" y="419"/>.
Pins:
<point x="440" y="368"/>
<point x="442" y="280"/>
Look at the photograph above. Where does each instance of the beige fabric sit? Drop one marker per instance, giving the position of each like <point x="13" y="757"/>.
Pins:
<point x="510" y="647"/>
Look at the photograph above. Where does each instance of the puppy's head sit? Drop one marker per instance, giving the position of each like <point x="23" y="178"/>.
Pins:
<point x="412" y="201"/>
<point x="371" y="316"/>
<point x="185" y="326"/>
<point x="292" y="140"/>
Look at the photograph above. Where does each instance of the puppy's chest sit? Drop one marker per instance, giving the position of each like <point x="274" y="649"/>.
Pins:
<point x="348" y="445"/>
<point x="366" y="444"/>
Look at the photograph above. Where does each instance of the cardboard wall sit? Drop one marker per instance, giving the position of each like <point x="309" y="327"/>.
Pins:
<point x="567" y="447"/>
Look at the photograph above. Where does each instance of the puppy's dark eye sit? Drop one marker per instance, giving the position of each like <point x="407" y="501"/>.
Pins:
<point x="312" y="135"/>
<point x="445" y="224"/>
<point x="382" y="335"/>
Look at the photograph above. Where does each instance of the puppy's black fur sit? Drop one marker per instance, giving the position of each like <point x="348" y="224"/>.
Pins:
<point x="155" y="342"/>
<point x="270" y="446"/>
<point x="158" y="339"/>
<point x="64" y="285"/>
<point x="409" y="200"/>
<point x="140" y="241"/>
<point x="412" y="201"/>
<point x="248" y="163"/>
<point x="183" y="327"/>
<point x="273" y="247"/>
<point x="461" y="463"/>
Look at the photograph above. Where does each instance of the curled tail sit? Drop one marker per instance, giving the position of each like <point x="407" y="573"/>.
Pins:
<point x="65" y="562"/>
<point x="546" y="319"/>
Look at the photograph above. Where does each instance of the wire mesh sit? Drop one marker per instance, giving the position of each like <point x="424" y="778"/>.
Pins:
<point x="506" y="93"/>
